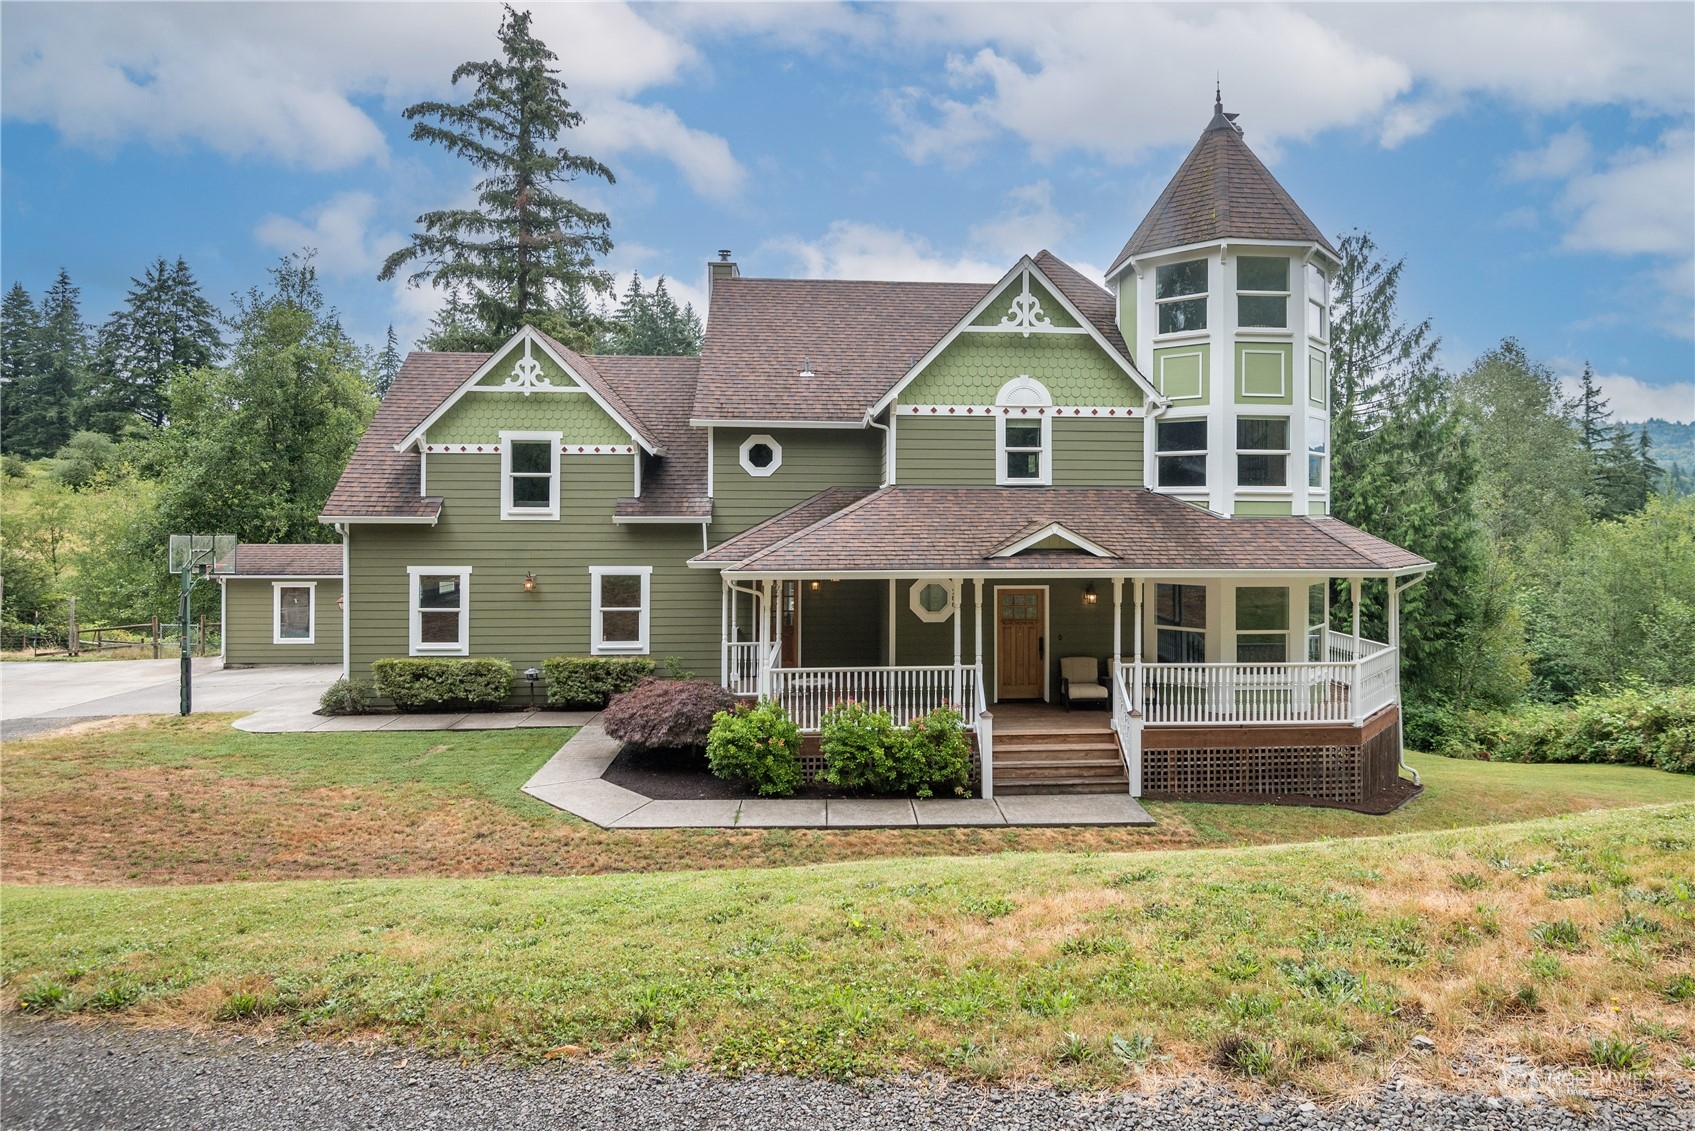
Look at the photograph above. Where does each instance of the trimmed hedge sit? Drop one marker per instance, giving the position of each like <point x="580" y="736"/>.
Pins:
<point x="759" y="745"/>
<point x="1636" y="726"/>
<point x="590" y="682"/>
<point x="864" y="750"/>
<point x="666" y="714"/>
<point x="443" y="683"/>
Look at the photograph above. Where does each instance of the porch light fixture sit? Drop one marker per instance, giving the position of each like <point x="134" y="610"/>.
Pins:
<point x="814" y="586"/>
<point x="529" y="582"/>
<point x="1090" y="597"/>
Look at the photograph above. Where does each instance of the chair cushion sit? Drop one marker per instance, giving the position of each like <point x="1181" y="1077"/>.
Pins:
<point x="1080" y="669"/>
<point x="1086" y="691"/>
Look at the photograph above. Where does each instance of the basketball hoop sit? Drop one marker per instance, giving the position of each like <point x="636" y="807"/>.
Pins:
<point x="194" y="556"/>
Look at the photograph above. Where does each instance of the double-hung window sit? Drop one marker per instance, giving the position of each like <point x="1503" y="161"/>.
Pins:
<point x="1182" y="452"/>
<point x="529" y="475"/>
<point x="619" y="609"/>
<point x="1262" y="291"/>
<point x="1262" y="625"/>
<point x="441" y="610"/>
<point x="1262" y="451"/>
<point x="1180" y="617"/>
<point x="1180" y="293"/>
<point x="1318" y="303"/>
<point x="1317" y="450"/>
<point x="293" y="612"/>
<point x="1023" y="434"/>
<point x="1022" y="451"/>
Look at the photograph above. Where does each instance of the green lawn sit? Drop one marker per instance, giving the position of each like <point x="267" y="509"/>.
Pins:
<point x="1314" y="962"/>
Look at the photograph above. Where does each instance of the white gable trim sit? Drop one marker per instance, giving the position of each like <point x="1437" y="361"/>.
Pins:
<point x="1026" y="266"/>
<point x="1055" y="530"/>
<point x="530" y="340"/>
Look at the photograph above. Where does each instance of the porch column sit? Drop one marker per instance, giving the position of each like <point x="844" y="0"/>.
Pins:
<point x="763" y="636"/>
<point x="979" y="590"/>
<point x="1138" y="588"/>
<point x="1117" y="625"/>
<point x="957" y="593"/>
<point x="724" y="602"/>
<point x="1354" y="601"/>
<point x="891" y="622"/>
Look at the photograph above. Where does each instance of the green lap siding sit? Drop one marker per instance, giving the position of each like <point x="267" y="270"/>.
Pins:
<point x="249" y="625"/>
<point x="528" y="627"/>
<point x="960" y="452"/>
<point x="844" y="624"/>
<point x="812" y="460"/>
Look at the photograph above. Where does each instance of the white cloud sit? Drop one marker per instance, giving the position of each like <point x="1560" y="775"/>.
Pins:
<point x="704" y="159"/>
<point x="1030" y="224"/>
<point x="1565" y="154"/>
<point x="850" y="250"/>
<point x="1634" y="400"/>
<point x="286" y="82"/>
<point x="339" y="230"/>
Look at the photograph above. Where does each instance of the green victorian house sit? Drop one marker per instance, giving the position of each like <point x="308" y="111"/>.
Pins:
<point x="1026" y="499"/>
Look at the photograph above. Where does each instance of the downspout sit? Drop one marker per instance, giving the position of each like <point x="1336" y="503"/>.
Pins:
<point x="1400" y="707"/>
<point x="888" y="450"/>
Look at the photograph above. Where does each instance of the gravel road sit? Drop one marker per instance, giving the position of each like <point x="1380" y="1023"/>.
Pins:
<point x="57" y="1075"/>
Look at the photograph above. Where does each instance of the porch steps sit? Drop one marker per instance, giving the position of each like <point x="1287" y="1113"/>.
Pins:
<point x="1058" y="760"/>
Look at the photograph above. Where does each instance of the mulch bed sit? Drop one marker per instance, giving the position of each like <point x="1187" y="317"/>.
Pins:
<point x="682" y="775"/>
<point x="1384" y="803"/>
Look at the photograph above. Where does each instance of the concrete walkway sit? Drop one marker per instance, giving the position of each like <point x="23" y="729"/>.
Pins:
<point x="572" y="781"/>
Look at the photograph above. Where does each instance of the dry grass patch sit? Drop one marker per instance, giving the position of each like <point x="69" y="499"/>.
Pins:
<point x="1314" y="964"/>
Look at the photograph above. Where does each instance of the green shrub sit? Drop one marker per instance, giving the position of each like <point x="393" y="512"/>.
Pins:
<point x="443" y="683"/>
<point x="938" y="754"/>
<point x="590" y="682"/>
<point x="759" y="745"/>
<point x="345" y="697"/>
<point x="861" y="748"/>
<point x="1633" y="726"/>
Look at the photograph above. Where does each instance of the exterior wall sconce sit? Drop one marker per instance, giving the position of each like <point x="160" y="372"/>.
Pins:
<point x="1090" y="597"/>
<point x="529" y="582"/>
<point x="813" y="586"/>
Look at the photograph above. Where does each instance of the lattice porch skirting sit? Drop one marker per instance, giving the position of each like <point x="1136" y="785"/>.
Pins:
<point x="1334" y="763"/>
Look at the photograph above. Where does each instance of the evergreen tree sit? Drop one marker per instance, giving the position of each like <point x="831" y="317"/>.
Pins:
<point x="650" y="324"/>
<point x="524" y="244"/>
<point x="388" y="364"/>
<point x="1592" y="411"/>
<point x="1622" y="485"/>
<point x="1652" y="473"/>
<point x="454" y="328"/>
<point x="166" y="327"/>
<point x="20" y="333"/>
<point x="1404" y="469"/>
<point x="42" y="407"/>
<point x="254" y="448"/>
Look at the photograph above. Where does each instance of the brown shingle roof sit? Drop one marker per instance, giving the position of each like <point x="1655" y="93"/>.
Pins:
<point x="857" y="337"/>
<point x="1094" y="300"/>
<point x="297" y="559"/>
<point x="588" y="369"/>
<point x="1220" y="190"/>
<point x="774" y="529"/>
<point x="380" y="482"/>
<point x="958" y="530"/>
<point x="675" y="483"/>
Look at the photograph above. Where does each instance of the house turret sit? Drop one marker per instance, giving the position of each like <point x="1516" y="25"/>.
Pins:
<point x="1223" y="292"/>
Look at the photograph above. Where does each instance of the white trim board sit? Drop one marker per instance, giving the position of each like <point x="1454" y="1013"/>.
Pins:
<point x="311" y="588"/>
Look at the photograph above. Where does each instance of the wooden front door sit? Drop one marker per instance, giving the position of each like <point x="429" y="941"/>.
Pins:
<point x="1021" y="650"/>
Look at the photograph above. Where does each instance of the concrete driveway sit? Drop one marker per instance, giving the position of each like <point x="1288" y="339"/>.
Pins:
<point x="38" y="696"/>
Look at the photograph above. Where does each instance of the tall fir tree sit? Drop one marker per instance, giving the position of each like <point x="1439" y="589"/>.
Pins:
<point x="42" y="408"/>
<point x="20" y="334"/>
<point x="1621" y="479"/>
<point x="1404" y="469"/>
<point x="651" y="324"/>
<point x="1592" y="411"/>
<point x="1652" y="473"/>
<point x="388" y="365"/>
<point x="524" y="245"/>
<point x="166" y="327"/>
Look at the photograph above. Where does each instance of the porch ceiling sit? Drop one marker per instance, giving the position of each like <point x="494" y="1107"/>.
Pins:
<point x="956" y="531"/>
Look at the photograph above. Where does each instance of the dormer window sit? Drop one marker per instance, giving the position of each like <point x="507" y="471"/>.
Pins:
<point x="1024" y="434"/>
<point x="1262" y="291"/>
<point x="1180" y="291"/>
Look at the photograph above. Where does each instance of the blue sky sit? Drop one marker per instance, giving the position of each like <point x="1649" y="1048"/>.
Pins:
<point x="1532" y="164"/>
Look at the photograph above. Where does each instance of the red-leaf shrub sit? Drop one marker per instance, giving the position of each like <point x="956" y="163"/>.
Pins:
<point x="662" y="714"/>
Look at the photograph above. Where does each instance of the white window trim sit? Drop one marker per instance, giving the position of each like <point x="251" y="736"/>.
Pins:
<point x="1200" y="379"/>
<point x="1318" y="429"/>
<point x="1286" y="453"/>
<point x="1160" y="452"/>
<point x="1323" y="302"/>
<point x="754" y="469"/>
<point x="311" y="588"/>
<point x="1205" y="296"/>
<point x="1022" y="393"/>
<point x="917" y="606"/>
<point x="533" y="514"/>
<point x="634" y="648"/>
<point x="414" y="645"/>
<point x="1282" y="392"/>
<point x="1283" y="294"/>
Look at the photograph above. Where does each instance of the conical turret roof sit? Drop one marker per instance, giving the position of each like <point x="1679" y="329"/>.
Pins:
<point x="1220" y="191"/>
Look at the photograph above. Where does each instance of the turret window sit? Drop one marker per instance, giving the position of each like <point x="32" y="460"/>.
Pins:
<point x="1182" y="446"/>
<point x="1180" y="291"/>
<point x="1316" y="452"/>
<point x="1262" y="291"/>
<point x="1318" y="303"/>
<point x="1262" y="451"/>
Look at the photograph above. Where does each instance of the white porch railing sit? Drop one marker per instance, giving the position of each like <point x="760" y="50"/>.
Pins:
<point x="741" y="667"/>
<point x="806" y="693"/>
<point x="1331" y="691"/>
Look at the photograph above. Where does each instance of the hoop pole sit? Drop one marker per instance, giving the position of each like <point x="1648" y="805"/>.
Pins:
<point x="187" y="661"/>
